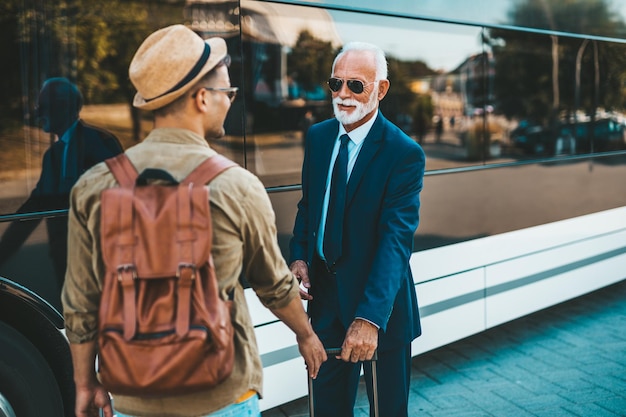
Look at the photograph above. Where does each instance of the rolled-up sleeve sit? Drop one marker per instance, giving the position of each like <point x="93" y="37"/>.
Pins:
<point x="81" y="292"/>
<point x="264" y="266"/>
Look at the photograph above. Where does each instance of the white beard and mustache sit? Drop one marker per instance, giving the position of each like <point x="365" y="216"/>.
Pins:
<point x="361" y="110"/>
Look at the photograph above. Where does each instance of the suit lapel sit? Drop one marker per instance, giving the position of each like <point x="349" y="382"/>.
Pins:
<point x="371" y="145"/>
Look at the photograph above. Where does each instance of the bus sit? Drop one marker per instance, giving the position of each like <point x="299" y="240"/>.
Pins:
<point x="508" y="226"/>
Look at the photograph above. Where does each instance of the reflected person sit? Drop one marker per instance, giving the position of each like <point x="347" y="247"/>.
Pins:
<point x="78" y="147"/>
<point x="352" y="243"/>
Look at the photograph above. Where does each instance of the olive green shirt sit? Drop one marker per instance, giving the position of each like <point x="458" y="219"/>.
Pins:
<point x="244" y="241"/>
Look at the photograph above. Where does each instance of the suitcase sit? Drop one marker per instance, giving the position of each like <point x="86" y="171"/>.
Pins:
<point x="336" y="352"/>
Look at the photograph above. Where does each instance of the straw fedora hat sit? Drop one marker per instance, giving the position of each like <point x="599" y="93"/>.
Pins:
<point x="169" y="62"/>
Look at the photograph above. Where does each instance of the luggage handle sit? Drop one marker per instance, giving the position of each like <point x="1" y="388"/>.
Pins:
<point x="336" y="352"/>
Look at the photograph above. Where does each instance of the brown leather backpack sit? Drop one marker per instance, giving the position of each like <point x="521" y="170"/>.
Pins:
<point x="163" y="328"/>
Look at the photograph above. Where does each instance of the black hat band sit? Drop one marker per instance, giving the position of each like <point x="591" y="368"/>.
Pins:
<point x="191" y="74"/>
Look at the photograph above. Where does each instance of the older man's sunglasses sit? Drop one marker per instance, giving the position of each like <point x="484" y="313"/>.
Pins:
<point x="356" y="86"/>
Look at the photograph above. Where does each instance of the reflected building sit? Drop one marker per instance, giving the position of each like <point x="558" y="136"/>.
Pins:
<point x="275" y="26"/>
<point x="211" y="18"/>
<point x="466" y="90"/>
<point x="463" y="103"/>
<point x="476" y="76"/>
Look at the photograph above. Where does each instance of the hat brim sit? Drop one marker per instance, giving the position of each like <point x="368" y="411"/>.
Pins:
<point x="218" y="52"/>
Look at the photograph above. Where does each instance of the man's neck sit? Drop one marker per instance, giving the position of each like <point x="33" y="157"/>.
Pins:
<point x="179" y="121"/>
<point x="64" y="134"/>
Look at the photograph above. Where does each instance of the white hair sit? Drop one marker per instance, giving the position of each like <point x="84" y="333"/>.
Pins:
<point x="379" y="55"/>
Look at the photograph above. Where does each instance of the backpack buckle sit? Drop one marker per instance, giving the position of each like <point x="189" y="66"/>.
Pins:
<point x="124" y="269"/>
<point x="183" y="265"/>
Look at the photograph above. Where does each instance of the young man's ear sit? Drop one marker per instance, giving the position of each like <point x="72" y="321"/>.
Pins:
<point x="200" y="99"/>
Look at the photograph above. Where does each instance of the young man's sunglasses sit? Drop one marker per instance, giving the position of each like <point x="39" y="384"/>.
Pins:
<point x="356" y="86"/>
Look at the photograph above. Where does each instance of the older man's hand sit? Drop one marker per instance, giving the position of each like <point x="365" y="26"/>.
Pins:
<point x="301" y="271"/>
<point x="360" y="342"/>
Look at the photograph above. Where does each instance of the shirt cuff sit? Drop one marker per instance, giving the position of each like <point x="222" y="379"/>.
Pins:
<point x="369" y="321"/>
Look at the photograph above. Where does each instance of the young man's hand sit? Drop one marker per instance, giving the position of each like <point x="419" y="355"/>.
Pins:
<point x="90" y="400"/>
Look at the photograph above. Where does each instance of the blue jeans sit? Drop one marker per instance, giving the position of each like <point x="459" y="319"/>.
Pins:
<point x="247" y="408"/>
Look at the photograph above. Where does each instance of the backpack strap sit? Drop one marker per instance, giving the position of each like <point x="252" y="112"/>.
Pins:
<point x="125" y="174"/>
<point x="123" y="170"/>
<point x="201" y="175"/>
<point x="209" y="169"/>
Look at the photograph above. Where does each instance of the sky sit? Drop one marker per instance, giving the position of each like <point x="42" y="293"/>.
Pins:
<point x="442" y="46"/>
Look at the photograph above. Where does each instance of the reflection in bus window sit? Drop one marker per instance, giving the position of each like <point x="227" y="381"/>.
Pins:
<point x="78" y="147"/>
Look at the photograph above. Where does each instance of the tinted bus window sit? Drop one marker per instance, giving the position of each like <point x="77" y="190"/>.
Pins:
<point x="561" y="96"/>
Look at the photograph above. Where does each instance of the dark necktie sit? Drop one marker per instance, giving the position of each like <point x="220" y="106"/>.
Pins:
<point x="336" y="204"/>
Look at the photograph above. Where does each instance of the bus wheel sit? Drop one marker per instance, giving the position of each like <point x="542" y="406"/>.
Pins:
<point x="5" y="408"/>
<point x="27" y="385"/>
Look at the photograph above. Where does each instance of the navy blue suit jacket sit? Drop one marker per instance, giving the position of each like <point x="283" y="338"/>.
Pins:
<point x="373" y="276"/>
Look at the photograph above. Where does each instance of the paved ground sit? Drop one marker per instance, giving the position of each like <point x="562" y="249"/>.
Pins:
<point x="568" y="360"/>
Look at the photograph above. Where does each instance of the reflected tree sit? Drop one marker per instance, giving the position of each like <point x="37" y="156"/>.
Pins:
<point x="89" y="42"/>
<point x="310" y="61"/>
<point x="107" y="35"/>
<point x="539" y="77"/>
